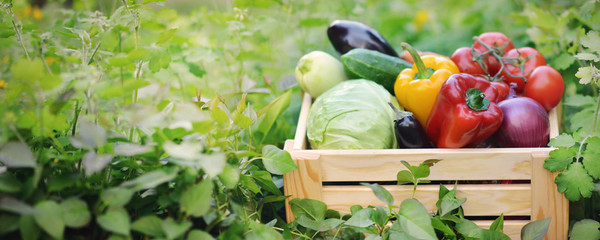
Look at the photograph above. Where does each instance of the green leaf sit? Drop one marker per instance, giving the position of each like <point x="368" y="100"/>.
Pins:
<point x="443" y="228"/>
<point x="242" y="120"/>
<point x="260" y="231"/>
<point x="591" y="157"/>
<point x="17" y="155"/>
<point x="592" y="41"/>
<point x="586" y="74"/>
<point x="10" y="204"/>
<point x="89" y="136"/>
<point x="381" y="193"/>
<point x="313" y="22"/>
<point x="498" y="224"/>
<point x="585" y="229"/>
<point x="49" y="82"/>
<point x="562" y="140"/>
<point x="116" y="196"/>
<point x="195" y="200"/>
<point x="449" y="203"/>
<point x="230" y="176"/>
<point x="196" y="69"/>
<point x="579" y="101"/>
<point x="166" y="35"/>
<point x="150" y="225"/>
<point x="93" y="163"/>
<point x="560" y="159"/>
<point x="313" y="209"/>
<point x="159" y="59"/>
<point x="61" y="101"/>
<point x="535" y="230"/>
<point x="468" y="229"/>
<point x="30" y="72"/>
<point x="9" y="184"/>
<point x="585" y="56"/>
<point x="272" y="111"/>
<point x="151" y="179"/>
<point x="265" y="180"/>
<point x="173" y="229"/>
<point x="29" y="230"/>
<point x="562" y="61"/>
<point x="277" y="161"/>
<point x="116" y="219"/>
<point x="362" y="218"/>
<point x="380" y="215"/>
<point x="49" y="217"/>
<point x="9" y="223"/>
<point x="415" y="220"/>
<point x="151" y="1"/>
<point x="199" y="235"/>
<point x="319" y="225"/>
<point x="247" y="183"/>
<point x="493" y="235"/>
<point x="213" y="164"/>
<point x="75" y="213"/>
<point x="404" y="177"/>
<point x="130" y="149"/>
<point x="575" y="182"/>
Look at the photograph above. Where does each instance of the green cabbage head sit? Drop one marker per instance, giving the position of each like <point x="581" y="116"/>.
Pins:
<point x="354" y="114"/>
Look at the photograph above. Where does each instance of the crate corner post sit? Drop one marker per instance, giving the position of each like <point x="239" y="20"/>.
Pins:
<point x="304" y="182"/>
<point x="546" y="201"/>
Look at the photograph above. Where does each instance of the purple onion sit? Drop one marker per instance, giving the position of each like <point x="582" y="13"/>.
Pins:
<point x="525" y="123"/>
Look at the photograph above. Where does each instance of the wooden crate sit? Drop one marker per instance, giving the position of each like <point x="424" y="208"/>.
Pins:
<point x="535" y="196"/>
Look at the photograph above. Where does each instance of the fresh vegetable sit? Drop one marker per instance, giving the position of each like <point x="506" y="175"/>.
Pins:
<point x="463" y="58"/>
<point x="318" y="71"/>
<point x="489" y="42"/>
<point x="546" y="86"/>
<point x="525" y="124"/>
<point x="352" y="115"/>
<point x="346" y="35"/>
<point x="417" y="88"/>
<point x="373" y="65"/>
<point x="519" y="64"/>
<point x="466" y="63"/>
<point x="465" y="112"/>
<point x="409" y="132"/>
<point x="405" y="55"/>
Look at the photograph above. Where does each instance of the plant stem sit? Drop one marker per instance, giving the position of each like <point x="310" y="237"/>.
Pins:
<point x="424" y="73"/>
<point x="17" y="30"/>
<point x="596" y="116"/>
<point x="295" y="233"/>
<point x="499" y="58"/>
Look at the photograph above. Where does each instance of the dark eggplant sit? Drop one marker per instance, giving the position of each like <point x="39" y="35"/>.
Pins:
<point x="409" y="132"/>
<point x="346" y="35"/>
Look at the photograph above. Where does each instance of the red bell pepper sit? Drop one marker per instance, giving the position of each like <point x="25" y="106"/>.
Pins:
<point x="465" y="111"/>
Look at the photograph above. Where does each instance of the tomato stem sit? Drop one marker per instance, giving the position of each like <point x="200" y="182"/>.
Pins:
<point x="424" y="72"/>
<point x="499" y="58"/>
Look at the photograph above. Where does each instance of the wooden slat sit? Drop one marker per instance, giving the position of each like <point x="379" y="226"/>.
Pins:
<point x="512" y="228"/>
<point x="300" y="138"/>
<point x="547" y="201"/>
<point x="456" y="164"/>
<point x="482" y="199"/>
<point x="305" y="182"/>
<point x="553" y="115"/>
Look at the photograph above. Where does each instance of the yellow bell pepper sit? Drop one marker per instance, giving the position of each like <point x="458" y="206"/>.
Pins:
<point x="417" y="88"/>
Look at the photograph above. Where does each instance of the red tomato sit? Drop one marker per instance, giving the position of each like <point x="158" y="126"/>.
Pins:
<point x="503" y="90"/>
<point x="546" y="86"/>
<point x="500" y="44"/>
<point x="463" y="57"/>
<point x="527" y="58"/>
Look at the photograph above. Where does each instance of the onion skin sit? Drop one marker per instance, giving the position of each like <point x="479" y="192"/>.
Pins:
<point x="525" y="123"/>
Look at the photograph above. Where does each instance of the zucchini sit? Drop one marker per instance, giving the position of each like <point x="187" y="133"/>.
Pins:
<point x="373" y="65"/>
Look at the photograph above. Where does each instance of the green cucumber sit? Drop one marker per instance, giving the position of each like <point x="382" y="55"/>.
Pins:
<point x="375" y="66"/>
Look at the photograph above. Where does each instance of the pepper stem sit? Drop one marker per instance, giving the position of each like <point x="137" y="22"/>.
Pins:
<point x="476" y="100"/>
<point x="424" y="72"/>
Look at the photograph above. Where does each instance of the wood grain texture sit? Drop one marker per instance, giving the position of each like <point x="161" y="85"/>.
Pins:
<point x="512" y="228"/>
<point x="547" y="201"/>
<point x="482" y="199"/>
<point x="305" y="182"/>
